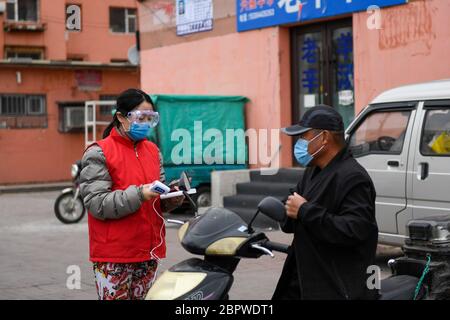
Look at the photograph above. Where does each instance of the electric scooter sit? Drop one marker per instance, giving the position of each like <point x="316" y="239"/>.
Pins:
<point x="223" y="239"/>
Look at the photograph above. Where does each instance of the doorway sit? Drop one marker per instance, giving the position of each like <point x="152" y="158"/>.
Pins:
<point x="322" y="68"/>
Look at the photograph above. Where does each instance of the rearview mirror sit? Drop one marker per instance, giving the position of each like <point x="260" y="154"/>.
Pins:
<point x="273" y="208"/>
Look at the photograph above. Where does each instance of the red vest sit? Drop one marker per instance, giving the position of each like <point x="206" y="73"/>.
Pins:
<point x="132" y="238"/>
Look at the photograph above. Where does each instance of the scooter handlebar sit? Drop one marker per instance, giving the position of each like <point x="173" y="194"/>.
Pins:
<point x="274" y="246"/>
<point x="263" y="249"/>
<point x="178" y="222"/>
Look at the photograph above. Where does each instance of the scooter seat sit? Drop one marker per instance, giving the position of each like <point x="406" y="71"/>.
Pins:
<point x="400" y="287"/>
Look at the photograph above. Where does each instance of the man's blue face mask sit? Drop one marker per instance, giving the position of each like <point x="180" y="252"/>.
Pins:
<point x="301" y="153"/>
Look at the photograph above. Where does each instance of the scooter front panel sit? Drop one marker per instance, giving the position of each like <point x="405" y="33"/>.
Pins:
<point x="192" y="279"/>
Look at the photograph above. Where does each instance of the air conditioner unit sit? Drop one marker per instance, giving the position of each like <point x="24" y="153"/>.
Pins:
<point x="2" y="6"/>
<point x="73" y="118"/>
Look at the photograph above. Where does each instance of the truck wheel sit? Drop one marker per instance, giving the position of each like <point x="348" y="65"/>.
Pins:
<point x="203" y="197"/>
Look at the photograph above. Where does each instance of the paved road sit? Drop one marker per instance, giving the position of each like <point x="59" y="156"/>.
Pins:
<point x="36" y="250"/>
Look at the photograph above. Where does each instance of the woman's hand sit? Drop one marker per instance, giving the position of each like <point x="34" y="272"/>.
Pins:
<point x="147" y="193"/>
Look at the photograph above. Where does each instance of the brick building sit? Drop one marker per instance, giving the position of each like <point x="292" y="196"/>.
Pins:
<point x="54" y="56"/>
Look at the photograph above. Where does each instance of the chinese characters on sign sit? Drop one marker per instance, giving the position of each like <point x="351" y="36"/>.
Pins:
<point x="345" y="61"/>
<point x="250" y="11"/>
<point x="194" y="16"/>
<point x="256" y="14"/>
<point x="344" y="72"/>
<point x="310" y="73"/>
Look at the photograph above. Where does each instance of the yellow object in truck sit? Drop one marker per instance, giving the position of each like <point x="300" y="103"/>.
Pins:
<point x="441" y="145"/>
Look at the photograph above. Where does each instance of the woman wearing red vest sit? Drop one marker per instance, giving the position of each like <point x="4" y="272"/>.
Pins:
<point x="126" y="228"/>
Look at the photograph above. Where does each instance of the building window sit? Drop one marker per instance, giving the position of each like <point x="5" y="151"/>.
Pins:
<point x="119" y="60"/>
<point x="21" y="105"/>
<point x="24" y="53"/>
<point x="108" y="110"/>
<point x="22" y="111"/>
<point x="22" y="10"/>
<point x="35" y="106"/>
<point x="122" y="20"/>
<point x="75" y="58"/>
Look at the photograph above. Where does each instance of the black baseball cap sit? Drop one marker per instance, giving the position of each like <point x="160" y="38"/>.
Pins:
<point x="320" y="117"/>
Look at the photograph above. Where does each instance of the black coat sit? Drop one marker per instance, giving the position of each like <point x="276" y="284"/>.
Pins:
<point x="335" y="234"/>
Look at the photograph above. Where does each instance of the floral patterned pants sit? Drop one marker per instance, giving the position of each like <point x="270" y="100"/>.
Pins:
<point x="124" y="281"/>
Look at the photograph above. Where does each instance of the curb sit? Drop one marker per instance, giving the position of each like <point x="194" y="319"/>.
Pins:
<point x="35" y="187"/>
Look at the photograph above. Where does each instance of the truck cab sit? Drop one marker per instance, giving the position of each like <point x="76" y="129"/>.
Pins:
<point x="402" y="138"/>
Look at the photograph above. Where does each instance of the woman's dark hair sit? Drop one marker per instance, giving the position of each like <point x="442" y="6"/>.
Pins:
<point x="126" y="102"/>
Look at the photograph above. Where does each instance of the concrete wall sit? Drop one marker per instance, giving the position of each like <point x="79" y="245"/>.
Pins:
<point x="412" y="46"/>
<point x="157" y="23"/>
<point x="254" y="64"/>
<point x="223" y="184"/>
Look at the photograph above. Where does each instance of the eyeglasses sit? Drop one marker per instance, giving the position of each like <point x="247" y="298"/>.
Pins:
<point x="140" y="116"/>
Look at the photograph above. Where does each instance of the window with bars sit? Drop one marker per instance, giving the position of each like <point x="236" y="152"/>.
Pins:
<point x="22" y="111"/>
<point x="122" y="20"/>
<point x="25" y="53"/>
<point x="22" y="10"/>
<point x="22" y="105"/>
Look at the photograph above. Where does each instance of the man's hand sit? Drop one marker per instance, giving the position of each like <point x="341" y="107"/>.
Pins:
<point x="293" y="204"/>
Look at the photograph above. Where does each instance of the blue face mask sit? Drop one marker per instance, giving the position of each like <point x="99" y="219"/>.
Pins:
<point x="139" y="131"/>
<point x="301" y="151"/>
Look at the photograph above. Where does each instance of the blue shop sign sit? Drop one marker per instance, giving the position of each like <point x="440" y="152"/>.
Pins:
<point x="256" y="14"/>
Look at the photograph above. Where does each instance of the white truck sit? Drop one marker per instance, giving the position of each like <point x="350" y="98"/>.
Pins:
<point x="402" y="138"/>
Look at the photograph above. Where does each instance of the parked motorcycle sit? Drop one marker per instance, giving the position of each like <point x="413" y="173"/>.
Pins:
<point x="69" y="207"/>
<point x="223" y="239"/>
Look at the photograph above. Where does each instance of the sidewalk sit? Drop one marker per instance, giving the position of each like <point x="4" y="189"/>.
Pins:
<point x="34" y="187"/>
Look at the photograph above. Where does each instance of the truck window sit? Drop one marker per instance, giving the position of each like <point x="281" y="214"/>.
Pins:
<point x="435" y="139"/>
<point x="381" y="132"/>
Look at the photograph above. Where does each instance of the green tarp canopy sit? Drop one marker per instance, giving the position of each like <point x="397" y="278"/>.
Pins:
<point x="201" y="130"/>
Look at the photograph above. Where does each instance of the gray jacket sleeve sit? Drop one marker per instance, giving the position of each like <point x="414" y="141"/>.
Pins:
<point x="95" y="188"/>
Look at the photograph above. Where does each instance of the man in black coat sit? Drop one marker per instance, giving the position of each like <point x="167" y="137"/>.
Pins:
<point x="331" y="213"/>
